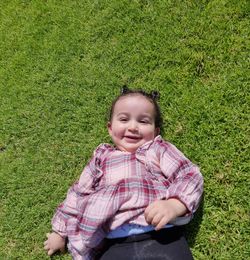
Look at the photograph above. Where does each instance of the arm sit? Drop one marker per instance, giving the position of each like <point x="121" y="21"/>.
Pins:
<point x="185" y="188"/>
<point x="68" y="209"/>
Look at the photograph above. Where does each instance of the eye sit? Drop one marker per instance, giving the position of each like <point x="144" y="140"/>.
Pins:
<point x="123" y="119"/>
<point x="144" y="121"/>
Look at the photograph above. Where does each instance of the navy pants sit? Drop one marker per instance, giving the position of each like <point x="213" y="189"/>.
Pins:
<point x="165" y="244"/>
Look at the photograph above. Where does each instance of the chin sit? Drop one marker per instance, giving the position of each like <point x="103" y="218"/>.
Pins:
<point x="131" y="149"/>
<point x="128" y="147"/>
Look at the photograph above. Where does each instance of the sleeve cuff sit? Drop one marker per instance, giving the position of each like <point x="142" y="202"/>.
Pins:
<point x="180" y="221"/>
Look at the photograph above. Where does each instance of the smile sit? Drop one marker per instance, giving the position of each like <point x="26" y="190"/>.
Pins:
<point x="132" y="138"/>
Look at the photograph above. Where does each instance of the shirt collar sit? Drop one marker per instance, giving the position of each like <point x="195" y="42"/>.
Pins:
<point x="147" y="145"/>
<point x="140" y="149"/>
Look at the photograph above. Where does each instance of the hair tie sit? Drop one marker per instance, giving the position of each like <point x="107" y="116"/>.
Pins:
<point x="155" y="95"/>
<point x="124" y="90"/>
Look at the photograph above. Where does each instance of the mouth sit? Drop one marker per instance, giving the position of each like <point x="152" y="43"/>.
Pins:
<point x="132" y="137"/>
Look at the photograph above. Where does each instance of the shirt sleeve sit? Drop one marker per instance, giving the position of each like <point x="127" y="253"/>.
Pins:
<point x="86" y="184"/>
<point x="186" y="181"/>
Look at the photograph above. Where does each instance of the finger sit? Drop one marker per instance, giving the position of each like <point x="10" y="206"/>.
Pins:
<point x="51" y="252"/>
<point x="149" y="217"/>
<point x="146" y="212"/>
<point x="151" y="214"/>
<point x="157" y="218"/>
<point x="161" y="223"/>
<point x="46" y="247"/>
<point x="150" y="207"/>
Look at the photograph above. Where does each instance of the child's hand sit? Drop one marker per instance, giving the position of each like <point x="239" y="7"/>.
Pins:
<point x="54" y="243"/>
<point x="161" y="212"/>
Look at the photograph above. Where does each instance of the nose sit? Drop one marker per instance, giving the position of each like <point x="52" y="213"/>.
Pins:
<point x="133" y="126"/>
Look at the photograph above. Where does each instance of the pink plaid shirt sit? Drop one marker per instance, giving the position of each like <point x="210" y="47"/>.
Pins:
<point x="116" y="187"/>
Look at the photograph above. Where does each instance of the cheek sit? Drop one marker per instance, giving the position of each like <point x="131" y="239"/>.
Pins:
<point x="117" y="131"/>
<point x="151" y="133"/>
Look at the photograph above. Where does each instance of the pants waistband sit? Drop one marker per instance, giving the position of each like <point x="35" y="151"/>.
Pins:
<point x="148" y="235"/>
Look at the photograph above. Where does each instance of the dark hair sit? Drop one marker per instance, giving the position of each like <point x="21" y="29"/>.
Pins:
<point x="151" y="97"/>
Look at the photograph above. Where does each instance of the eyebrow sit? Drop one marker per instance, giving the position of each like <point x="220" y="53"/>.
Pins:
<point x="123" y="114"/>
<point x="148" y="116"/>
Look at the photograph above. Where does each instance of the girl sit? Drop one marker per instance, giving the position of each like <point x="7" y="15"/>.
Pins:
<point x="134" y="195"/>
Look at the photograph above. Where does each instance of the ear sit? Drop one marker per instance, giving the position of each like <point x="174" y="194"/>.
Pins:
<point x="157" y="131"/>
<point x="109" y="126"/>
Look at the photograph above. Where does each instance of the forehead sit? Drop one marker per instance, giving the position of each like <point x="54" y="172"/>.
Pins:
<point x="134" y="103"/>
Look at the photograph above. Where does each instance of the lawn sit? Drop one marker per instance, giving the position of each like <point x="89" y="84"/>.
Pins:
<point x="61" y="65"/>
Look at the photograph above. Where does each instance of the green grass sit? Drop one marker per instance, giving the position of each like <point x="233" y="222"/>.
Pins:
<point x="61" y="64"/>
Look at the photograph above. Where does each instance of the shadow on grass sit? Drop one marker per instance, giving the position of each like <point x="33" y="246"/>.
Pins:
<point x="193" y="228"/>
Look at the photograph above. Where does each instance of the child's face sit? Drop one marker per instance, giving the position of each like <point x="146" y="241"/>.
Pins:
<point x="133" y="123"/>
